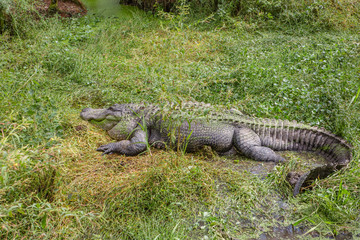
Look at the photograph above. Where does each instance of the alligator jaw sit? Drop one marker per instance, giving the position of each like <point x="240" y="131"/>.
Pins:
<point x="99" y="118"/>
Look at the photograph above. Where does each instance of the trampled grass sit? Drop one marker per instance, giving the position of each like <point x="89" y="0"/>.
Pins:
<point x="55" y="185"/>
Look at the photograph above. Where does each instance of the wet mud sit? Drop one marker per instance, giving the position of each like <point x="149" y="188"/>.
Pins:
<point x="301" y="162"/>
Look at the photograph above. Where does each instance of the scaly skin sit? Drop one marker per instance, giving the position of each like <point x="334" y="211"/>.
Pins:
<point x="191" y="126"/>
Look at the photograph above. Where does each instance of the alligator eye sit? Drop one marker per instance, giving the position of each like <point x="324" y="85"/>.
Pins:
<point x="115" y="108"/>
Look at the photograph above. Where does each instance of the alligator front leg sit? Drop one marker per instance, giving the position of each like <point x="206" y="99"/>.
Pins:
<point x="249" y="143"/>
<point x="132" y="147"/>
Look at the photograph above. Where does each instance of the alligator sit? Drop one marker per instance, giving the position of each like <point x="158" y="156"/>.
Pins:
<point x="191" y="125"/>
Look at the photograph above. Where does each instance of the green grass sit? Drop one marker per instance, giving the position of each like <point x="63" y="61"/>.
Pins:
<point x="54" y="184"/>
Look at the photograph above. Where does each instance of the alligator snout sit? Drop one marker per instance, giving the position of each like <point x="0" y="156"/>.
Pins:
<point x="93" y="114"/>
<point x="83" y="114"/>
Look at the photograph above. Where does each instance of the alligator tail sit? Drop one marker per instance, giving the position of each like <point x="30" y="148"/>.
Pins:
<point x="285" y="135"/>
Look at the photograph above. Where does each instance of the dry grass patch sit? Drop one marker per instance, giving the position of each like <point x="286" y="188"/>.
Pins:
<point x="143" y="183"/>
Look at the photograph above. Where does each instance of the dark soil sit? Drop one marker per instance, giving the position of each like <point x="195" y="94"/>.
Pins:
<point x="66" y="8"/>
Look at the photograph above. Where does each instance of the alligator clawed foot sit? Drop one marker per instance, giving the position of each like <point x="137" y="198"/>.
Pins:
<point x="107" y="149"/>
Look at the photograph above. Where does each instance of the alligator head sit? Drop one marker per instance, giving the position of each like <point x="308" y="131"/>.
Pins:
<point x="117" y="120"/>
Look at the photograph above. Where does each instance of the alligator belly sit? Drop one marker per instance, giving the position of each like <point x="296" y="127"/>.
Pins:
<point x="191" y="137"/>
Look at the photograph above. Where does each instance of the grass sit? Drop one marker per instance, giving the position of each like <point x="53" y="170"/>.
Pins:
<point x="54" y="184"/>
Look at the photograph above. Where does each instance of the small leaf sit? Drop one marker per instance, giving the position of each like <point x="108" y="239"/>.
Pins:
<point x="299" y="221"/>
<point x="43" y="222"/>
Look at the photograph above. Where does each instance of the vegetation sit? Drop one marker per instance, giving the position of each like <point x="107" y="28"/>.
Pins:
<point x="13" y="15"/>
<point x="265" y="13"/>
<point x="55" y="185"/>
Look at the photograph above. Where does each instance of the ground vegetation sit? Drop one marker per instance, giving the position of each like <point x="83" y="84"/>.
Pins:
<point x="53" y="184"/>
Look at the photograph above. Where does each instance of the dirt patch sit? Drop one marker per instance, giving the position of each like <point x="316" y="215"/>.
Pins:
<point x="65" y="8"/>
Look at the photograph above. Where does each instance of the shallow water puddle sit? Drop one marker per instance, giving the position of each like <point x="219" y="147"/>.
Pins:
<point x="278" y="207"/>
<point x="110" y="8"/>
